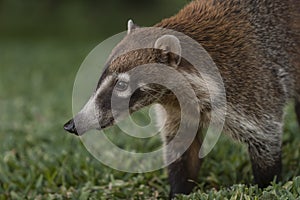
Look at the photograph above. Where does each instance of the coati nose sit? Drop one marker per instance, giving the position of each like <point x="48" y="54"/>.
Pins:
<point x="70" y="127"/>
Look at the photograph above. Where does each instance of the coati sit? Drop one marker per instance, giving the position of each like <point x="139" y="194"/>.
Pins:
<point x="255" y="45"/>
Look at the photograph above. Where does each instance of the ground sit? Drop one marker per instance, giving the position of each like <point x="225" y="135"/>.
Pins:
<point x="38" y="160"/>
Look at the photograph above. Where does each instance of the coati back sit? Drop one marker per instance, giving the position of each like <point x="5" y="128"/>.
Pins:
<point x="255" y="45"/>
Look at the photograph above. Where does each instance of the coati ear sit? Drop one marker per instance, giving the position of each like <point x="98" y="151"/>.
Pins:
<point x="171" y="47"/>
<point x="131" y="26"/>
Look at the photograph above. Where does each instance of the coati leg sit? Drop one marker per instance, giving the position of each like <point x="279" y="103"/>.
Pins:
<point x="185" y="169"/>
<point x="265" y="156"/>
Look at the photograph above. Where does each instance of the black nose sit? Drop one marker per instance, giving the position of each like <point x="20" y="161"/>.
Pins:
<point x="70" y="127"/>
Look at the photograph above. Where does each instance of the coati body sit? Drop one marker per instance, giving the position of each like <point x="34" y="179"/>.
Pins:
<point x="255" y="45"/>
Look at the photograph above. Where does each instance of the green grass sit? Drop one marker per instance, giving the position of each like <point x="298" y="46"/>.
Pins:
<point x="38" y="160"/>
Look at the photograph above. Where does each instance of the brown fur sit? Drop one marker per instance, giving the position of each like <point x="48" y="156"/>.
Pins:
<point x="224" y="29"/>
<point x="257" y="54"/>
<point x="255" y="45"/>
<point x="294" y="23"/>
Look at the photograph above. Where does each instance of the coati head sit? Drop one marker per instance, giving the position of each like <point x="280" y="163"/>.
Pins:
<point x="131" y="79"/>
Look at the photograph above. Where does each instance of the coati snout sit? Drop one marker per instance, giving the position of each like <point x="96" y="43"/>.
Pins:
<point x="70" y="127"/>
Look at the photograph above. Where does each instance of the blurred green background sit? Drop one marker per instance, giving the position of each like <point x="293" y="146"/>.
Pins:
<point x="42" y="44"/>
<point x="78" y="19"/>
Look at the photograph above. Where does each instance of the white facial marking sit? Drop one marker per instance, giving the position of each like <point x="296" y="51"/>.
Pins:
<point x="124" y="94"/>
<point x="124" y="77"/>
<point x="87" y="118"/>
<point x="104" y="84"/>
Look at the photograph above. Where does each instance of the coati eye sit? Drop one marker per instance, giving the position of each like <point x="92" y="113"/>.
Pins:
<point x="121" y="86"/>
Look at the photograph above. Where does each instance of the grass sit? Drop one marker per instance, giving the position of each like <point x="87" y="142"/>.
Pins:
<point x="38" y="160"/>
